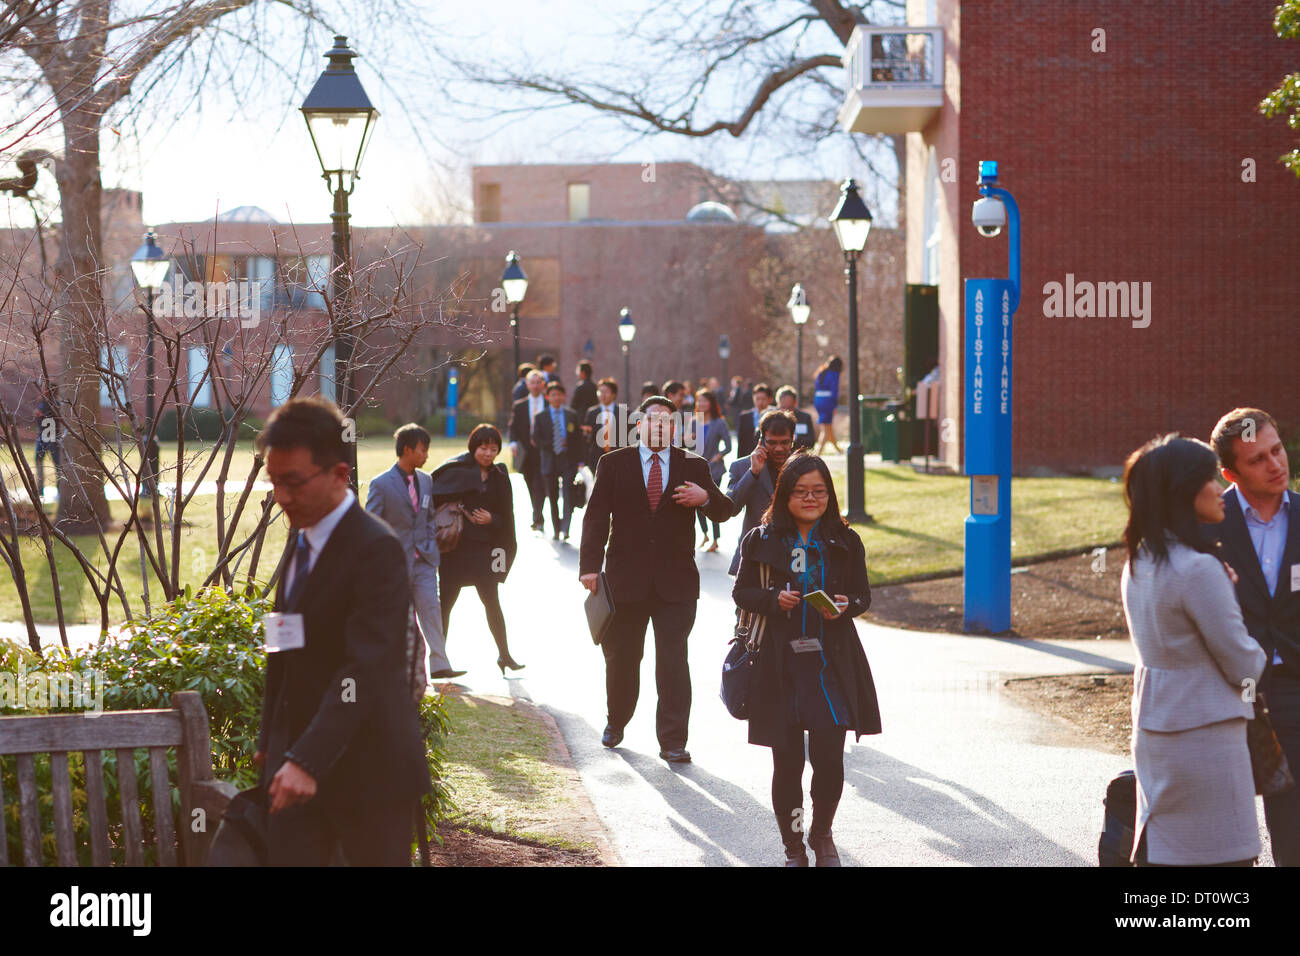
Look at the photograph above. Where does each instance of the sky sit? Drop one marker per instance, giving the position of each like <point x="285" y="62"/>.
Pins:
<point x="247" y="144"/>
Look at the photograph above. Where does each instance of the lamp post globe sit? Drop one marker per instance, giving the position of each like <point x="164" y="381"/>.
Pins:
<point x="851" y="221"/>
<point x="626" y="332"/>
<point x="799" y="312"/>
<point x="340" y="120"/>
<point x="514" y="283"/>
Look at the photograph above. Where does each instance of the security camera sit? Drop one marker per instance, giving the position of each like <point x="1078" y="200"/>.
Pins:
<point x="989" y="216"/>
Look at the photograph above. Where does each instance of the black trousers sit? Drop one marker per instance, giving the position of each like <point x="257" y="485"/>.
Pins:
<point x="533" y="479"/>
<point x="1282" y="813"/>
<point x="826" y="753"/>
<point x="624" y="646"/>
<point x="558" y="486"/>
<point x="305" y="835"/>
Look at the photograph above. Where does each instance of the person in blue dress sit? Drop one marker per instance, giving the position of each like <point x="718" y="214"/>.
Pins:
<point x="826" y="395"/>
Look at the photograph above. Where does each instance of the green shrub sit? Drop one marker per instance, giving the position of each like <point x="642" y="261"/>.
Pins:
<point x="209" y="642"/>
<point x="374" y="424"/>
<point x="205" y="424"/>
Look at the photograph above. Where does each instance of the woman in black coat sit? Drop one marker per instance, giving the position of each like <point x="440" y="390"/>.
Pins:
<point x="811" y="673"/>
<point x="486" y="550"/>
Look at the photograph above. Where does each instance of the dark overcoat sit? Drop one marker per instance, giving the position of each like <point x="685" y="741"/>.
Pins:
<point x="846" y="573"/>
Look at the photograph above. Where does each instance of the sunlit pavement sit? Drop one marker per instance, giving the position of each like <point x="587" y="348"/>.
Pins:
<point x="960" y="776"/>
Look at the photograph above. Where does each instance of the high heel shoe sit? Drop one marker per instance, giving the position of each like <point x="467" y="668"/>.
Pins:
<point x="504" y="662"/>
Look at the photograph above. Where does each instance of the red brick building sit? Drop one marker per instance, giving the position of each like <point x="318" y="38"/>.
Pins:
<point x="1130" y="136"/>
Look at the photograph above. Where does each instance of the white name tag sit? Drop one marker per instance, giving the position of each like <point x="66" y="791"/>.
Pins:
<point x="801" y="429"/>
<point x="424" y="502"/>
<point x="1295" y="577"/>
<point x="284" y="632"/>
<point x="805" y="645"/>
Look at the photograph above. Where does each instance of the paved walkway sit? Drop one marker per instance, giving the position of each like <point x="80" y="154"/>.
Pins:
<point x="961" y="775"/>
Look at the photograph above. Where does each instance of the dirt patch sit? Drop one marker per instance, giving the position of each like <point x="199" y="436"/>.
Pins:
<point x="1096" y="706"/>
<point x="1075" y="597"/>
<point x="466" y="847"/>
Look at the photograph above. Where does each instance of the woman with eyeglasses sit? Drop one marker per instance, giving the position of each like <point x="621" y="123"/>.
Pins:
<point x="811" y="674"/>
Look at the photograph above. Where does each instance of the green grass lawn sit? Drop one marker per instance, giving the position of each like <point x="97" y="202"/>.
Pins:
<point x="920" y="519"/>
<point x="198" y="549"/>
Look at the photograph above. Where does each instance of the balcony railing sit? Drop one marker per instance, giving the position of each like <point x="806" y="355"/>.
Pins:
<point x="894" y="79"/>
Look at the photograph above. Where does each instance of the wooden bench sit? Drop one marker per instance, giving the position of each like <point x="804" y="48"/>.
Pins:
<point x="183" y="727"/>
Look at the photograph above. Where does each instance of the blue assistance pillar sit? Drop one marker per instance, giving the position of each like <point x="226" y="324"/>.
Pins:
<point x="453" y="387"/>
<point x="990" y="308"/>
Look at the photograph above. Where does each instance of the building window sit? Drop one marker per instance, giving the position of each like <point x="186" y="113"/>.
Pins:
<point x="114" y="359"/>
<point x="308" y="279"/>
<point x="261" y="272"/>
<point x="579" y="201"/>
<point x="489" y="202"/>
<point x="200" y="381"/>
<point x="281" y="375"/>
<point x="327" y="390"/>
<point x="933" y="200"/>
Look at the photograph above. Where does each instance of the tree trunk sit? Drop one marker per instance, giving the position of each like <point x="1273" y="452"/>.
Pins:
<point x="78" y="270"/>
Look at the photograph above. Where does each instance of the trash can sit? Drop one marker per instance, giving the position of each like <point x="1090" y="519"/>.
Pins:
<point x="872" y="410"/>
<point x="896" y="434"/>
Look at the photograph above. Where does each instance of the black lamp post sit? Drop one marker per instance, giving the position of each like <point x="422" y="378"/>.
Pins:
<point x="724" y="353"/>
<point x="627" y="332"/>
<point x="515" y="284"/>
<point x="149" y="267"/>
<point x="852" y="221"/>
<point x="341" y="119"/>
<point x="799" y="311"/>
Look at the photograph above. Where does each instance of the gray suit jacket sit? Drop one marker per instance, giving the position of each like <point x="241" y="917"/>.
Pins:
<point x="388" y="498"/>
<point x="753" y="493"/>
<point x="1194" y="655"/>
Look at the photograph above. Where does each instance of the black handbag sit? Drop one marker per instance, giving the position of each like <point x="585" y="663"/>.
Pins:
<point x="1267" y="761"/>
<point x="241" y="838"/>
<point x="738" y="666"/>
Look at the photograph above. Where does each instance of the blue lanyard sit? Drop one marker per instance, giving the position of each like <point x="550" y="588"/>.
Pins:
<point x="805" y="578"/>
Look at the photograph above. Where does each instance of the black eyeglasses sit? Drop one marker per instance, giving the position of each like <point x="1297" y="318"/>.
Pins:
<point x="296" y="483"/>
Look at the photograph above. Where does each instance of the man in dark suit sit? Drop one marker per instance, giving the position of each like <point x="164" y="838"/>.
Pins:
<point x="521" y="383"/>
<point x="340" y="747"/>
<point x="751" y="482"/>
<point x="738" y="400"/>
<point x="649" y="493"/>
<point x="527" y="458"/>
<point x="584" y="393"/>
<point x="546" y="365"/>
<point x="1260" y="535"/>
<point x="747" y="433"/>
<point x="558" y="439"/>
<point x="787" y="399"/>
<point x="600" y="425"/>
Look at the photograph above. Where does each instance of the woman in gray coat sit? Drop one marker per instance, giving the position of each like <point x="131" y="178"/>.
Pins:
<point x="1196" y="666"/>
<point x="713" y="439"/>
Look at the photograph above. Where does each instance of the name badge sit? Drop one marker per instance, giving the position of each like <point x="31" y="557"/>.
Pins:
<point x="805" y="645"/>
<point x="1295" y="577"/>
<point x="424" y="502"/>
<point x="801" y="429"/>
<point x="284" y="632"/>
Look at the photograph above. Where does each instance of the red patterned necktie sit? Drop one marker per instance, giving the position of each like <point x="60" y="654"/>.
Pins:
<point x="654" y="485"/>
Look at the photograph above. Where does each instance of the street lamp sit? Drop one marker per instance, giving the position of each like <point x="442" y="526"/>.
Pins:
<point x="626" y="332"/>
<point x="799" y="311"/>
<point x="852" y="221"/>
<point x="149" y="268"/>
<point x="724" y="353"/>
<point x="340" y="120"/>
<point x="515" y="284"/>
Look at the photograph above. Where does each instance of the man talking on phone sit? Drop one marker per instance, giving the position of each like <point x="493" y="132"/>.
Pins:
<point x="643" y="504"/>
<point x="752" y="479"/>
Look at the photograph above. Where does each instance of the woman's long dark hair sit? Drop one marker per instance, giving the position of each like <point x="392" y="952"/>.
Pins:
<point x="715" y="411"/>
<point x="832" y="364"/>
<point x="1161" y="482"/>
<point x="777" y="515"/>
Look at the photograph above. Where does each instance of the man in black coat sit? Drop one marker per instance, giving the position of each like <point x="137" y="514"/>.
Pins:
<point x="584" y="393"/>
<point x="600" y="425"/>
<point x="1260" y="534"/>
<point x="527" y="458"/>
<point x="340" y="746"/>
<point x="644" y="505"/>
<point x="787" y="399"/>
<point x="559" y="442"/>
<point x="747" y="432"/>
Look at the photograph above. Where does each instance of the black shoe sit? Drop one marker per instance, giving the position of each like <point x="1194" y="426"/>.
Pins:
<point x="612" y="737"/>
<point x="675" y="756"/>
<point x="800" y="857"/>
<point x="537" y="526"/>
<point x="446" y="675"/>
<point x="824" y="848"/>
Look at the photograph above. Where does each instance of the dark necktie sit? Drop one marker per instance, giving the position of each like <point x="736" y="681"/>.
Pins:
<point x="557" y="428"/>
<point x="301" y="566"/>
<point x="655" y="484"/>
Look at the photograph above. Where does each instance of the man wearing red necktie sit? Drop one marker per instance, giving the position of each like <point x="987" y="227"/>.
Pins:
<point x="643" y="505"/>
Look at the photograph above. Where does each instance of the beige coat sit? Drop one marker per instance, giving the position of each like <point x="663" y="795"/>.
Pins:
<point x="1196" y="793"/>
